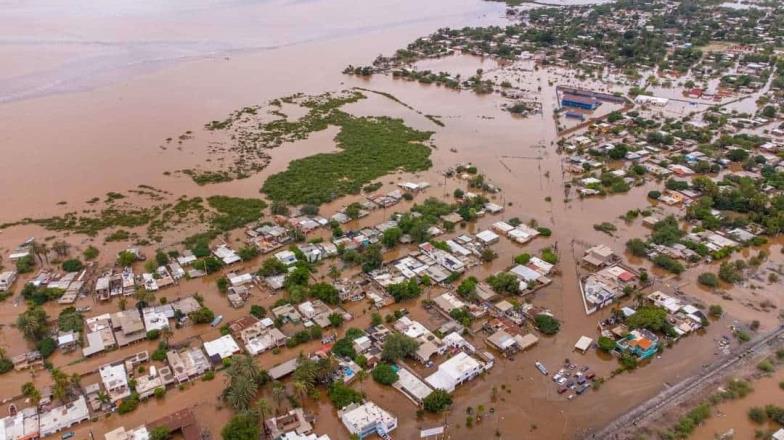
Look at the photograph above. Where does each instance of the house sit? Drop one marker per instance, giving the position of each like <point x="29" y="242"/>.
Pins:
<point x="455" y="371"/>
<point x="502" y="341"/>
<point x="221" y="348"/>
<point x="120" y="433"/>
<point x="31" y="359"/>
<point x="115" y="381"/>
<point x="22" y="426"/>
<point x="641" y="343"/>
<point x="226" y="254"/>
<point x="292" y="422"/>
<point x="487" y="237"/>
<point x="67" y="341"/>
<point x="286" y="257"/>
<point x="411" y="386"/>
<point x="128" y="327"/>
<point x="256" y="336"/>
<point x="62" y="417"/>
<point x="147" y="383"/>
<point x="187" y="363"/>
<point x="366" y="419"/>
<point x="599" y="256"/>
<point x="7" y="279"/>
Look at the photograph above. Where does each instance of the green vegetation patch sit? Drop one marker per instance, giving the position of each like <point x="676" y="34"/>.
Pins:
<point x="372" y="147"/>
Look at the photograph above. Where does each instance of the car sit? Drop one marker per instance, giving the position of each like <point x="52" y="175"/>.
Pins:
<point x="581" y="389"/>
<point x="562" y="381"/>
<point x="581" y="380"/>
<point x="67" y="435"/>
<point x="562" y="389"/>
<point x="590" y="374"/>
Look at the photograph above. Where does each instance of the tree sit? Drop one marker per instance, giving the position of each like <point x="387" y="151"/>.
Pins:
<point x="33" y="323"/>
<point x="605" y="344"/>
<point x="437" y="401"/>
<point x="258" y="311"/>
<point x="715" y="311"/>
<point x="325" y="292"/>
<point x="547" y="324"/>
<point x="263" y="409"/>
<point x="61" y="248"/>
<point x="467" y="288"/>
<point x="650" y="317"/>
<point x="202" y="316"/>
<point x="72" y="265"/>
<point x="372" y="258"/>
<point x="504" y="282"/>
<point x="243" y="426"/>
<point x="25" y="264"/>
<point x="335" y="319"/>
<point x="637" y="247"/>
<point x="271" y="267"/>
<point x="125" y="258"/>
<point x="391" y="237"/>
<point x="46" y="346"/>
<point x="160" y="433"/>
<point x="404" y="290"/>
<point x="522" y="259"/>
<point x="398" y="346"/>
<point x="384" y="374"/>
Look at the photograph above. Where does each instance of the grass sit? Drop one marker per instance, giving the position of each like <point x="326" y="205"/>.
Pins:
<point x="371" y="148"/>
<point x="234" y="212"/>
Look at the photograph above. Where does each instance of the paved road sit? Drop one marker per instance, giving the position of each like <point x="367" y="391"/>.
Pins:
<point x="618" y="429"/>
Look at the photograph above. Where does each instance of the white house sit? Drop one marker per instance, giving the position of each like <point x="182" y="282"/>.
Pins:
<point x="367" y="419"/>
<point x="455" y="371"/>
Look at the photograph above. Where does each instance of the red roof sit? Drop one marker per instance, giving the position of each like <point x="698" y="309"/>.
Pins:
<point x="626" y="276"/>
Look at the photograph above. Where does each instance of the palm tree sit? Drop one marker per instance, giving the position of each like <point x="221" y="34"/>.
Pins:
<point x="241" y="393"/>
<point x="166" y="333"/>
<point x="361" y="376"/>
<point x="76" y="381"/>
<point x="61" y="248"/>
<point x="40" y="249"/>
<point x="301" y="390"/>
<point x="278" y="392"/>
<point x="263" y="409"/>
<point x="103" y="397"/>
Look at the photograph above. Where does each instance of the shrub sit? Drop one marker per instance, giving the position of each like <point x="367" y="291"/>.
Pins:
<point x="757" y="415"/>
<point x="669" y="264"/>
<point x="715" y="311"/>
<point x="766" y="366"/>
<point x="708" y="279"/>
<point x="341" y="395"/>
<point x="72" y="265"/>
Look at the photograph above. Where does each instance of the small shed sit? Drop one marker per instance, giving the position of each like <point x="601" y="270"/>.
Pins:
<point x="583" y="344"/>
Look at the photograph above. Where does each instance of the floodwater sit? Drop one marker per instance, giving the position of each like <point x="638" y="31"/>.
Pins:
<point x="88" y="109"/>
<point x="733" y="415"/>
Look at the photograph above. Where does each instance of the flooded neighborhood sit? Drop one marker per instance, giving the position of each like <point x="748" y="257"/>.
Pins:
<point x="443" y="220"/>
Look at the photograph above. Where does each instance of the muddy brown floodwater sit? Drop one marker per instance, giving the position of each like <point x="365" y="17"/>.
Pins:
<point x="101" y="127"/>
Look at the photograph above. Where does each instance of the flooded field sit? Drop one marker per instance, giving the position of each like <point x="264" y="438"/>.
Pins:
<point x="88" y="112"/>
